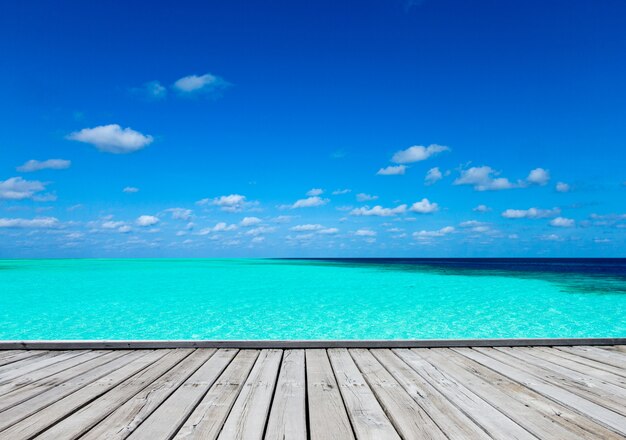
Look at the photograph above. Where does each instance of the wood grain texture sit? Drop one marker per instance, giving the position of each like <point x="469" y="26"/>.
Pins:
<point x="484" y="392"/>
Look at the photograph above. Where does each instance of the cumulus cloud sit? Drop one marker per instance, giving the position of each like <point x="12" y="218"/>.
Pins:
<point x="365" y="233"/>
<point x="130" y="189"/>
<point x="147" y="220"/>
<point x="315" y="192"/>
<point x="180" y="213"/>
<point x="482" y="208"/>
<point x="339" y="192"/>
<point x="563" y="187"/>
<point x="309" y="202"/>
<point x="392" y="170"/>
<point x="230" y="203"/>
<point x="328" y="231"/>
<point x="260" y="230"/>
<point x="423" y="234"/>
<point x="50" y="164"/>
<point x="362" y="197"/>
<point x="417" y="153"/>
<point x="531" y="213"/>
<point x="562" y="222"/>
<point x="538" y="176"/>
<point x="378" y="211"/>
<point x="250" y="221"/>
<point x="432" y="176"/>
<point x="424" y="206"/>
<point x="551" y="237"/>
<point x="17" y="188"/>
<point x="110" y="224"/>
<point x="483" y="178"/>
<point x="112" y="138"/>
<point x="35" y="223"/>
<point x="206" y="84"/>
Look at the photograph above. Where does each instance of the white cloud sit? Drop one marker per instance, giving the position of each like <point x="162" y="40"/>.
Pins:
<point x="551" y="237"/>
<point x="16" y="188"/>
<point x="531" y="213"/>
<point x="130" y="190"/>
<point x="205" y="84"/>
<point x="562" y="222"/>
<point x="250" y="221"/>
<point x="315" y="192"/>
<point x="392" y="170"/>
<point x="362" y="197"/>
<point x="147" y="220"/>
<point x="482" y="208"/>
<point x="230" y="203"/>
<point x="110" y="224"/>
<point x="219" y="227"/>
<point x="424" y="206"/>
<point x="258" y="240"/>
<point x="151" y="91"/>
<point x="483" y="179"/>
<point x="112" y="138"/>
<point x="124" y="229"/>
<point x="339" y="192"/>
<point x="180" y="213"/>
<point x="50" y="164"/>
<point x="365" y="233"/>
<point x="563" y="187"/>
<point x="433" y="175"/>
<point x="282" y="219"/>
<point x="437" y="233"/>
<point x="417" y="153"/>
<point x="38" y="222"/>
<point x="307" y="227"/>
<point x="538" y="176"/>
<point x="260" y="230"/>
<point x="328" y="231"/>
<point x="309" y="202"/>
<point x="378" y="211"/>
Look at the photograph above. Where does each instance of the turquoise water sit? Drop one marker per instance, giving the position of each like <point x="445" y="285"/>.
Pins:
<point x="297" y="299"/>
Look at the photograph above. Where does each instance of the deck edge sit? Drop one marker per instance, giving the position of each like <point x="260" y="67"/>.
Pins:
<point x="260" y="344"/>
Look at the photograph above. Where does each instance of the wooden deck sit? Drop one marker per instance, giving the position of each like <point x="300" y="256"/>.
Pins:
<point x="337" y="393"/>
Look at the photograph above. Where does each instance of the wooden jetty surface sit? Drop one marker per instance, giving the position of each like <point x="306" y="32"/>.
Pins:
<point x="497" y="392"/>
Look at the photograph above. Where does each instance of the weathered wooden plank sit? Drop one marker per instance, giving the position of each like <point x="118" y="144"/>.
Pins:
<point x="20" y="359"/>
<point x="39" y="363"/>
<point x="603" y="393"/>
<point x="589" y="363"/>
<point x="46" y="394"/>
<point x="613" y="358"/>
<point x="492" y="359"/>
<point x="581" y="368"/>
<point x="35" y="376"/>
<point x="63" y="378"/>
<point x="288" y="412"/>
<point x="498" y="425"/>
<point x="538" y="415"/>
<point x="368" y="418"/>
<point x="124" y="420"/>
<point x="7" y="356"/>
<point x="86" y="417"/>
<point x="46" y="417"/>
<point x="249" y="413"/>
<point x="328" y="419"/>
<point x="167" y="419"/>
<point x="207" y="419"/>
<point x="409" y="419"/>
<point x="452" y="421"/>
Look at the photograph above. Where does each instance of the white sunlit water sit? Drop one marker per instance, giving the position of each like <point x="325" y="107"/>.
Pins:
<point x="283" y="299"/>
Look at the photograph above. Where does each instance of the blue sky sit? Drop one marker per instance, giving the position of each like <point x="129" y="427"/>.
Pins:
<point x="330" y="128"/>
